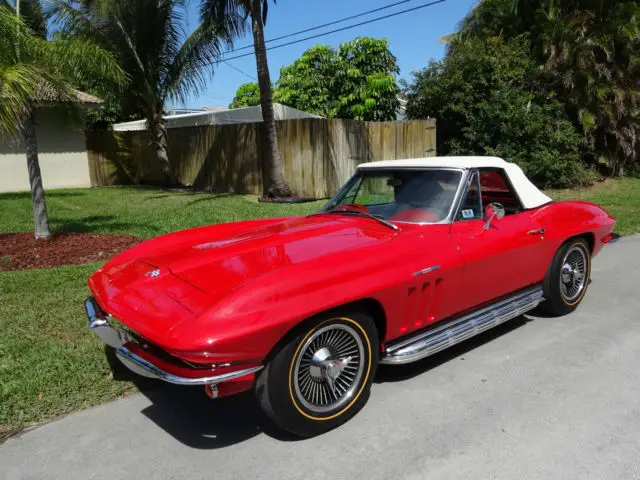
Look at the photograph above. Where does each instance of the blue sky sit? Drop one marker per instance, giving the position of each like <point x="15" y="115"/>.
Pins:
<point x="413" y="37"/>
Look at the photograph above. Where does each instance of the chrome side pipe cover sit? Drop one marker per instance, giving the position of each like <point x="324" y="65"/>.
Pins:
<point x="449" y="333"/>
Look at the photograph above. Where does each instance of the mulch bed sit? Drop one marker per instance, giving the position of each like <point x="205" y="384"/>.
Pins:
<point x="20" y="251"/>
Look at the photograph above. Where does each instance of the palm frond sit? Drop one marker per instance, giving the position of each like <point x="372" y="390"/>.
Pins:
<point x="19" y="84"/>
<point x="82" y="61"/>
<point x="73" y="18"/>
<point x="150" y="41"/>
<point x="34" y="70"/>
<point x="197" y="56"/>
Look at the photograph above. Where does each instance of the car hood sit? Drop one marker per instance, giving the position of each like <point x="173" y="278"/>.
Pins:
<point x="219" y="265"/>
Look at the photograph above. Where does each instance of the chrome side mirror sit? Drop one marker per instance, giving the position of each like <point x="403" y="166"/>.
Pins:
<point x="493" y="210"/>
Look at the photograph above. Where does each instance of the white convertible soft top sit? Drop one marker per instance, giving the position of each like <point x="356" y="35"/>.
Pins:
<point x="529" y="194"/>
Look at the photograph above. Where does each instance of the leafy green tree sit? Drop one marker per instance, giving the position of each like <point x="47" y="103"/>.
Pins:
<point x="247" y="95"/>
<point x="33" y="72"/>
<point x="590" y="51"/>
<point x="218" y="12"/>
<point x="367" y="80"/>
<point x="358" y="80"/>
<point x="309" y="83"/>
<point x="150" y="41"/>
<point x="489" y="99"/>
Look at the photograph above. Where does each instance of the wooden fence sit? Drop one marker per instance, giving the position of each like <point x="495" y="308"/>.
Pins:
<point x="318" y="155"/>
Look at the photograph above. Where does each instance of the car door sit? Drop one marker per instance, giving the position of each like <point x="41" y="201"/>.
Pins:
<point x="507" y="255"/>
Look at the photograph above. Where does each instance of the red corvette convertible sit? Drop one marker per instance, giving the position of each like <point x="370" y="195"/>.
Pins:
<point x="409" y="258"/>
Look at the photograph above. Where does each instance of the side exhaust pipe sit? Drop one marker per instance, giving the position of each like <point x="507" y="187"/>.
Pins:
<point x="442" y="336"/>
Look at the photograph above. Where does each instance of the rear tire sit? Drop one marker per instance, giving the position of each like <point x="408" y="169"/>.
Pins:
<point x="322" y="376"/>
<point x="567" y="279"/>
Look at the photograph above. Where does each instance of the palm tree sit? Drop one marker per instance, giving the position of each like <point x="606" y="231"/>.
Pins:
<point x="33" y="72"/>
<point x="217" y="11"/>
<point x="150" y="41"/>
<point x="592" y="55"/>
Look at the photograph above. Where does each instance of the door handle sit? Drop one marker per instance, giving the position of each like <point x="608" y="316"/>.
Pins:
<point x="424" y="271"/>
<point x="539" y="231"/>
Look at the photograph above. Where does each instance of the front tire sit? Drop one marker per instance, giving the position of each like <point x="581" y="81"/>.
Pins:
<point x="568" y="276"/>
<point x="322" y="376"/>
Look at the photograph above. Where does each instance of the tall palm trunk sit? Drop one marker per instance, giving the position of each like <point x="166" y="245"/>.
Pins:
<point x="40" y="215"/>
<point x="158" y="133"/>
<point x="276" y="187"/>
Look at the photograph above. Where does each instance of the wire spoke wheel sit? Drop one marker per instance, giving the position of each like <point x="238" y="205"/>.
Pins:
<point x="329" y="368"/>
<point x="573" y="276"/>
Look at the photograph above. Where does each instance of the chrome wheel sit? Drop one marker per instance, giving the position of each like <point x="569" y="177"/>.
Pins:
<point x="573" y="275"/>
<point x="329" y="368"/>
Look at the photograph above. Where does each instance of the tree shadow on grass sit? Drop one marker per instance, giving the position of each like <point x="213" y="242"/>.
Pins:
<point x="157" y="197"/>
<point x="205" y="196"/>
<point x="27" y="195"/>
<point x="109" y="224"/>
<point x="211" y="198"/>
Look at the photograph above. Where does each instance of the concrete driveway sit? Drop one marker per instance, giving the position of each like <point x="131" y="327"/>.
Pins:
<point x="538" y="398"/>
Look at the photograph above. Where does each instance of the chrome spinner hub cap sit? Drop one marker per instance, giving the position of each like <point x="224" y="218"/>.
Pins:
<point x="573" y="274"/>
<point x="329" y="368"/>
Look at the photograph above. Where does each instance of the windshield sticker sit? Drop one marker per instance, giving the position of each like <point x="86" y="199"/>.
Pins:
<point x="467" y="213"/>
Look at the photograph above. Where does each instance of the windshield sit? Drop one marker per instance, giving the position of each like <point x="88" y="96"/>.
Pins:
<point x="399" y="194"/>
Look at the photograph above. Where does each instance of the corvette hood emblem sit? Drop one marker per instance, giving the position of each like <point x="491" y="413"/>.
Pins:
<point x="153" y="273"/>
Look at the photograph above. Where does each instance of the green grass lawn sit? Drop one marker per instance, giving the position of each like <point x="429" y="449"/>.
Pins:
<point x="50" y="363"/>
<point x="136" y="211"/>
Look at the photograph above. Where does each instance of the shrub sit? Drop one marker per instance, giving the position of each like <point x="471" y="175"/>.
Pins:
<point x="488" y="99"/>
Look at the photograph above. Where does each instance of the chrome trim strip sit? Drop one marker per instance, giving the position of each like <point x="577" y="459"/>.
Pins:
<point x="473" y="174"/>
<point x="145" y="368"/>
<point x="100" y="326"/>
<point x="426" y="270"/>
<point x="457" y="330"/>
<point x="459" y="197"/>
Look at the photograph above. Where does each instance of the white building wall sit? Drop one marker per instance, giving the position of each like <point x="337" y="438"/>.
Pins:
<point x="62" y="151"/>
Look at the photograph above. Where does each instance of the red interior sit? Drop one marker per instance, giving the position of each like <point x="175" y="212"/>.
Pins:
<point x="416" y="215"/>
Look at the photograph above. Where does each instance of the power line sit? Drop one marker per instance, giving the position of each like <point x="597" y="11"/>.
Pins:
<point x="384" y="17"/>
<point x="240" y="71"/>
<point x="310" y="29"/>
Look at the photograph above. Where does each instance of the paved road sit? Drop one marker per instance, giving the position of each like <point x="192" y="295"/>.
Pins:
<point x="539" y="398"/>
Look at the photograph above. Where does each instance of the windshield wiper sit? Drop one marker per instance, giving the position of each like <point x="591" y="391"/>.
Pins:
<point x="360" y="214"/>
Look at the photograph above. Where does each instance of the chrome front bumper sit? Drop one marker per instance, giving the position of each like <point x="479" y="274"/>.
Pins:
<point x="117" y="338"/>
